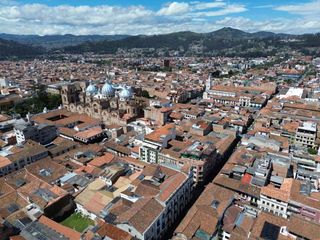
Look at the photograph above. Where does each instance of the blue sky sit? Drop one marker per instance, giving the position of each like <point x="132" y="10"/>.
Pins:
<point x="156" y="16"/>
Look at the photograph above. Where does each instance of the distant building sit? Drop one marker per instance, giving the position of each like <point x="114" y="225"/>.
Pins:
<point x="166" y="63"/>
<point x="42" y="133"/>
<point x="4" y="82"/>
<point x="249" y="97"/>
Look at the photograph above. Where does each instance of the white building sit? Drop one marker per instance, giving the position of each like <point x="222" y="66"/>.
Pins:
<point x="42" y="133"/>
<point x="4" y="82"/>
<point x="292" y="92"/>
<point x="153" y="217"/>
<point x="155" y="141"/>
<point x="275" y="200"/>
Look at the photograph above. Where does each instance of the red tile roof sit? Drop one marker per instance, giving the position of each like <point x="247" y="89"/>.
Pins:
<point x="100" y="161"/>
<point x="246" y="179"/>
<point x="89" y="133"/>
<point x="68" y="232"/>
<point x="112" y="232"/>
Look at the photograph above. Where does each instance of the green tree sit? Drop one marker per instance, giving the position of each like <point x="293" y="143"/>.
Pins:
<point x="37" y="102"/>
<point x="312" y="151"/>
<point x="145" y="94"/>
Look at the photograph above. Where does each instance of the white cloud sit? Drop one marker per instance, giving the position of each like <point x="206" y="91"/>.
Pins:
<point x="278" y="25"/>
<point x="69" y="15"/>
<point x="305" y="9"/>
<point x="198" y="16"/>
<point x="230" y="9"/>
<point x="264" y="6"/>
<point x="174" y="8"/>
<point x="208" y="5"/>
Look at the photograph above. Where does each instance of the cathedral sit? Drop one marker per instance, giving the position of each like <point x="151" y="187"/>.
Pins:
<point x="113" y="104"/>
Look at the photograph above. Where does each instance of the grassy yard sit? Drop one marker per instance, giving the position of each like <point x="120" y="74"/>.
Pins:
<point x="77" y="222"/>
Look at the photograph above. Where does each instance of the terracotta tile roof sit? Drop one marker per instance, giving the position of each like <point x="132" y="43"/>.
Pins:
<point x="230" y="217"/>
<point x="118" y="148"/>
<point x="237" y="186"/>
<point x="68" y="232"/>
<point x="158" y="133"/>
<point x="301" y="227"/>
<point x="4" y="117"/>
<point x="243" y="230"/>
<point x="166" y="109"/>
<point x="282" y="194"/>
<point x="53" y="170"/>
<point x="4" y="162"/>
<point x="112" y="232"/>
<point x="103" y="160"/>
<point x="176" y="115"/>
<point x="17" y="238"/>
<point x="135" y="149"/>
<point x="291" y="127"/>
<point x="170" y="186"/>
<point x="120" y="207"/>
<point x="92" y="132"/>
<point x="5" y="188"/>
<point x="224" y="144"/>
<point x="7" y="200"/>
<point x="88" y="169"/>
<point x="142" y="213"/>
<point x="134" y="161"/>
<point x="295" y="195"/>
<point x="202" y="215"/>
<point x="246" y="179"/>
<point x="97" y="202"/>
<point x="264" y="217"/>
<point x="67" y="131"/>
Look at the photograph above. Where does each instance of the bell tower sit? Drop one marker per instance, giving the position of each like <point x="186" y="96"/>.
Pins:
<point x="208" y="83"/>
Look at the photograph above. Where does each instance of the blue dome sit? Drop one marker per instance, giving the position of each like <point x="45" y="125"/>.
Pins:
<point x="108" y="90"/>
<point x="126" y="93"/>
<point x="92" y="89"/>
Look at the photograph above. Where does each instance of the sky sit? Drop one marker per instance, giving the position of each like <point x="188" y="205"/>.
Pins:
<point x="133" y="17"/>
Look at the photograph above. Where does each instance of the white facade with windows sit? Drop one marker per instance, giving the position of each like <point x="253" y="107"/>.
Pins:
<point x="149" y="150"/>
<point x="273" y="205"/>
<point x="42" y="133"/>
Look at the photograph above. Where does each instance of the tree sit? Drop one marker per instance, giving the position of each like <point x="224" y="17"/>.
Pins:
<point x="312" y="151"/>
<point x="37" y="102"/>
<point x="145" y="94"/>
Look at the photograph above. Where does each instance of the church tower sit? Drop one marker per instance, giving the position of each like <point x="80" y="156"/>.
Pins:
<point x="208" y="83"/>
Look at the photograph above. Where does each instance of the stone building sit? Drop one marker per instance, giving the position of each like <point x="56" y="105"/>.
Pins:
<point x="113" y="104"/>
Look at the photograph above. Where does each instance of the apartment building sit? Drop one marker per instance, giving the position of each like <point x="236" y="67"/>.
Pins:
<point x="42" y="133"/>
<point x="306" y="135"/>
<point x="155" y="141"/>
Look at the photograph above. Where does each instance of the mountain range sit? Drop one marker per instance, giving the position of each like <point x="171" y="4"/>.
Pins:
<point x="15" y="49"/>
<point x="226" y="41"/>
<point x="58" y="41"/>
